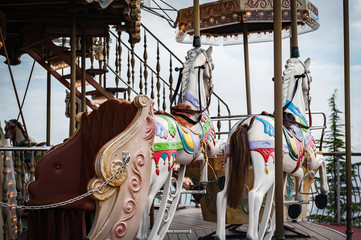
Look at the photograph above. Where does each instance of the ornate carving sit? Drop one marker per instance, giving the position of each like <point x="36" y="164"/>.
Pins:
<point x="141" y="101"/>
<point x="120" y="229"/>
<point x="269" y="3"/>
<point x="104" y="193"/>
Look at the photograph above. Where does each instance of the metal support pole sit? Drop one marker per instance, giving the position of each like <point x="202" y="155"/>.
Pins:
<point x="48" y="107"/>
<point x="246" y="69"/>
<point x="346" y="41"/>
<point x="197" y="31"/>
<point x="294" y="39"/>
<point x="83" y="73"/>
<point x="73" y="77"/>
<point x="279" y="234"/>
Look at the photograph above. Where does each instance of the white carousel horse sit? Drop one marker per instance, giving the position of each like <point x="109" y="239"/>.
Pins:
<point x="15" y="131"/>
<point x="176" y="143"/>
<point x="251" y="141"/>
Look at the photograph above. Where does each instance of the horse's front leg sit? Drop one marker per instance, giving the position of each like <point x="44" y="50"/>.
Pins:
<point x="221" y="211"/>
<point x="294" y="210"/>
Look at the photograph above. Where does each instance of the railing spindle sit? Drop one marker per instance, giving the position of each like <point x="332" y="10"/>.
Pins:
<point x="152" y="88"/>
<point x="145" y="58"/>
<point x="140" y="79"/>
<point x="5" y="198"/>
<point x="19" y="185"/>
<point x="158" y="76"/>
<point x="133" y="65"/>
<point x="164" y="103"/>
<point x="170" y="78"/>
<point x="128" y="75"/>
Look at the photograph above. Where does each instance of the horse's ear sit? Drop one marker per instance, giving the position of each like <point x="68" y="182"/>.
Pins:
<point x="307" y="63"/>
<point x="67" y="92"/>
<point x="209" y="52"/>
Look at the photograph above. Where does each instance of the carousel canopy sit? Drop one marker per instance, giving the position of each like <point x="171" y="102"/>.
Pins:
<point x="25" y="23"/>
<point x="226" y="19"/>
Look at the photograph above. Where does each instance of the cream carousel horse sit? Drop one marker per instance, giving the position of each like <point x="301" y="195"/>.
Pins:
<point x="15" y="131"/>
<point x="251" y="141"/>
<point x="181" y="140"/>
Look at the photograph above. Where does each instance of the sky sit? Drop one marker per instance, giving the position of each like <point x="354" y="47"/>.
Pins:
<point x="324" y="47"/>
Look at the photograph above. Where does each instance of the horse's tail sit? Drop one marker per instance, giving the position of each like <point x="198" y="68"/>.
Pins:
<point x="240" y="159"/>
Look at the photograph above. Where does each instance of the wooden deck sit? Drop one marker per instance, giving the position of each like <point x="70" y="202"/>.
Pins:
<point x="188" y="224"/>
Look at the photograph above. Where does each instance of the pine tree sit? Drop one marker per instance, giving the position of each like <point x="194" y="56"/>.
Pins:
<point x="335" y="143"/>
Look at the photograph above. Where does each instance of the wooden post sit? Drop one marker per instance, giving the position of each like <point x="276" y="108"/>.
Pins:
<point x="279" y="234"/>
<point x="294" y="39"/>
<point x="346" y="40"/>
<point x="48" y="107"/>
<point x="246" y="69"/>
<point x="83" y="73"/>
<point x="73" y="77"/>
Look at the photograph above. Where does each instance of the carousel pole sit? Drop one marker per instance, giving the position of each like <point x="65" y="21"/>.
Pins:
<point x="246" y="68"/>
<point x="196" y="23"/>
<point x="279" y="234"/>
<point x="48" y="107"/>
<point x="295" y="53"/>
<point x="73" y="77"/>
<point x="83" y="73"/>
<point x="346" y="40"/>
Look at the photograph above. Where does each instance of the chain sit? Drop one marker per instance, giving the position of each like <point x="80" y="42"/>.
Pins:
<point x="63" y="203"/>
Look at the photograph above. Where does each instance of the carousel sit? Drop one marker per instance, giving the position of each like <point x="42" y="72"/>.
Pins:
<point x="140" y="143"/>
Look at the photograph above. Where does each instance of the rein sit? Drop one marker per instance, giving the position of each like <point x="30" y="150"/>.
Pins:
<point x="179" y="112"/>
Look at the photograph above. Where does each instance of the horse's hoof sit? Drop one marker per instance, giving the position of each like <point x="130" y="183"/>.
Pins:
<point x="221" y="181"/>
<point x="321" y="201"/>
<point x="294" y="211"/>
<point x="197" y="197"/>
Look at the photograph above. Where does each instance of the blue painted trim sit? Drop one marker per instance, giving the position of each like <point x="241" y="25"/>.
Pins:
<point x="268" y="128"/>
<point x="296" y="110"/>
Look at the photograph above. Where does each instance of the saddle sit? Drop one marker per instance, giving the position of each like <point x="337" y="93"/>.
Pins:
<point x="183" y="123"/>
<point x="291" y="127"/>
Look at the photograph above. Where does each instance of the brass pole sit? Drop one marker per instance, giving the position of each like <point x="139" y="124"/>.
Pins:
<point x="197" y="31"/>
<point x="346" y="41"/>
<point x="294" y="39"/>
<point x="83" y="74"/>
<point x="246" y="68"/>
<point x="279" y="234"/>
<point x="48" y="107"/>
<point x="73" y="77"/>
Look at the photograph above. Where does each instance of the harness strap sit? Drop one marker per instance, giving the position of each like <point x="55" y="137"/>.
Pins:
<point x="177" y="87"/>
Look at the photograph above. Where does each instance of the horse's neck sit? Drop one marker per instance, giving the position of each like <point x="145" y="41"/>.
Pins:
<point x="298" y="102"/>
<point x="191" y="94"/>
<point x="19" y="136"/>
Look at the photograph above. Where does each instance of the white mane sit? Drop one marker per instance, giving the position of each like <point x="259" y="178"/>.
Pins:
<point x="191" y="56"/>
<point x="288" y="74"/>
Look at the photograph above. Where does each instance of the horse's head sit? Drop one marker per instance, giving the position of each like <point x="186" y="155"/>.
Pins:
<point x="296" y="83"/>
<point x="197" y="74"/>
<point x="10" y="127"/>
<point x="15" y="131"/>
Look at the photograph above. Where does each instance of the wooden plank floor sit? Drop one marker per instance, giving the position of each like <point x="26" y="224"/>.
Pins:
<point x="190" y="219"/>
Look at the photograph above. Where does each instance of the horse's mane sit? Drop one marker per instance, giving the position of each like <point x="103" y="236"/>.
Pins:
<point x="288" y="74"/>
<point x="191" y="56"/>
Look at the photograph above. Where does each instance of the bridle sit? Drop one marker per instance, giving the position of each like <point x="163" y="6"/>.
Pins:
<point x="179" y="112"/>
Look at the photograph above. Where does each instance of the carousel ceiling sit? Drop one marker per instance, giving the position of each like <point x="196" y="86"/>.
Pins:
<point x="228" y="19"/>
<point x="25" y="23"/>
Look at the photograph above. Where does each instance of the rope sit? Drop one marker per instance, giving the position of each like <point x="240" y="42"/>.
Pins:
<point x="204" y="151"/>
